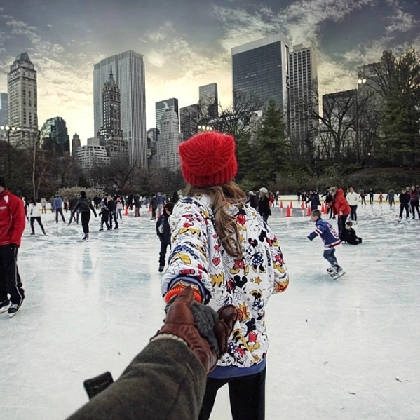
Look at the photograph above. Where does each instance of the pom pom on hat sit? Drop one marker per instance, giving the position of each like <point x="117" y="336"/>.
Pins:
<point x="208" y="159"/>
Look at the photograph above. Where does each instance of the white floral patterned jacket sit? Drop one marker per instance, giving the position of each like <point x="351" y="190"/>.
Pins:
<point x="198" y="257"/>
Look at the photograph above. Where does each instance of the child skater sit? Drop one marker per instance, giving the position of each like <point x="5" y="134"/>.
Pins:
<point x="330" y="238"/>
<point x="349" y="235"/>
<point x="104" y="213"/>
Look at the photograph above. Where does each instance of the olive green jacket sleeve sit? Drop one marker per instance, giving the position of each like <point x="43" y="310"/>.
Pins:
<point x="164" y="381"/>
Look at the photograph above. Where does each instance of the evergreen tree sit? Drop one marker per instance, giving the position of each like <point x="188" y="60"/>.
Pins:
<point x="399" y="82"/>
<point x="271" y="149"/>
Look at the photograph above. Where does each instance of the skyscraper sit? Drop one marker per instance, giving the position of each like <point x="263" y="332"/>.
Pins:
<point x="303" y="100"/>
<point x="168" y="141"/>
<point x="162" y="106"/>
<point x="260" y="72"/>
<point x="3" y="109"/>
<point x="75" y="143"/>
<point x="22" y="102"/>
<point x="128" y="70"/>
<point x="54" y="136"/>
<point x="208" y="101"/>
<point x="189" y="117"/>
<point x="110" y="134"/>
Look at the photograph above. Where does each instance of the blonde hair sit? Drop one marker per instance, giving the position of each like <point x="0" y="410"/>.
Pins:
<point x="225" y="224"/>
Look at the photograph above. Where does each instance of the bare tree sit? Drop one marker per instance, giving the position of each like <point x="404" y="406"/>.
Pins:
<point x="235" y="119"/>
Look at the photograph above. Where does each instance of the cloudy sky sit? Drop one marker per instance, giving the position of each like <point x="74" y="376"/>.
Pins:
<point x="187" y="43"/>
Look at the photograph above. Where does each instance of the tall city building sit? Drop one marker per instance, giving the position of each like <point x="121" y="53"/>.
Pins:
<point x="110" y="134"/>
<point x="189" y="118"/>
<point x="303" y="100"/>
<point x="152" y="138"/>
<point x="260" y="71"/>
<point x="75" y="143"/>
<point x="162" y="106"/>
<point x="3" y="109"/>
<point x="168" y="141"/>
<point x="54" y="136"/>
<point x="128" y="70"/>
<point x="208" y="101"/>
<point x="22" y="102"/>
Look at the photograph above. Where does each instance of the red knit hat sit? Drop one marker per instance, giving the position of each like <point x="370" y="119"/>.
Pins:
<point x="208" y="159"/>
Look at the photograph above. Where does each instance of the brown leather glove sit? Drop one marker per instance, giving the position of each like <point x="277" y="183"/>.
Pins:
<point x="182" y="322"/>
<point x="228" y="315"/>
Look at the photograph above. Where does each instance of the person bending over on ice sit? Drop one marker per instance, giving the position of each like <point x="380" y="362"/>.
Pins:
<point x="331" y="240"/>
<point x="349" y="235"/>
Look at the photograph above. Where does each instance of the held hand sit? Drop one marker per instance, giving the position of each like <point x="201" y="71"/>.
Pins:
<point x="228" y="315"/>
<point x="205" y="332"/>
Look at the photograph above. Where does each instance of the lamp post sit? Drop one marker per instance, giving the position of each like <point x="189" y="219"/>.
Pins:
<point x="8" y="129"/>
<point x="360" y="81"/>
<point x="34" y="150"/>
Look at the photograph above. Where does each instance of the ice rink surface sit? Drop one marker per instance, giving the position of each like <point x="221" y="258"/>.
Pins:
<point x="339" y="349"/>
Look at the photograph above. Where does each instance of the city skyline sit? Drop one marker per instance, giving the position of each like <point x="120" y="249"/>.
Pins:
<point x="187" y="44"/>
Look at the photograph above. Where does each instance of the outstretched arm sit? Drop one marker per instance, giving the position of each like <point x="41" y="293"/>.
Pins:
<point x="167" y="379"/>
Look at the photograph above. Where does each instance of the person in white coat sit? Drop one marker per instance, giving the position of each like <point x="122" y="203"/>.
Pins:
<point x="353" y="200"/>
<point x="34" y="213"/>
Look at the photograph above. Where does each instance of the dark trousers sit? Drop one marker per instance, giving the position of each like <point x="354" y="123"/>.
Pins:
<point x="38" y="219"/>
<point x="353" y="214"/>
<point x="104" y="219"/>
<point x="246" y="394"/>
<point x="329" y="255"/>
<point x="9" y="277"/>
<point x="402" y="207"/>
<point x="85" y="217"/>
<point x="415" y="207"/>
<point x="163" y="247"/>
<point x="341" y="224"/>
<point x="61" y="213"/>
<point x="113" y="217"/>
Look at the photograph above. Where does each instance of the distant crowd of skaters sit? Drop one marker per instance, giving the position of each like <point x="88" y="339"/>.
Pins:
<point x="108" y="208"/>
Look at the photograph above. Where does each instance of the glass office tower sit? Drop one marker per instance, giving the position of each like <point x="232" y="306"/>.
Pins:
<point x="260" y="72"/>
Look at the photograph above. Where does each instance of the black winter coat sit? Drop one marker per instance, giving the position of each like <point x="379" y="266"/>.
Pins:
<point x="163" y="229"/>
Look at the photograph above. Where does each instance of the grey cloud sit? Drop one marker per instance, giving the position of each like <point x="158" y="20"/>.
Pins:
<point x="401" y="22"/>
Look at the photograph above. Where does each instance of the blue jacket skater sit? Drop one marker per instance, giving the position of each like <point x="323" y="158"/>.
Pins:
<point x="326" y="232"/>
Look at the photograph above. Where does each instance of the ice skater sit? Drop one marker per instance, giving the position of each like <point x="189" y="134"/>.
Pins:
<point x="163" y="231"/>
<point x="330" y="238"/>
<point x="104" y="213"/>
<point x="228" y="254"/>
<point x="404" y="203"/>
<point x="35" y="215"/>
<point x="84" y="206"/>
<point x="414" y="201"/>
<point x="12" y="225"/>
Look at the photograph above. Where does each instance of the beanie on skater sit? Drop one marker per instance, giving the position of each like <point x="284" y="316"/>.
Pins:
<point x="208" y="159"/>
